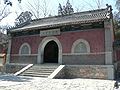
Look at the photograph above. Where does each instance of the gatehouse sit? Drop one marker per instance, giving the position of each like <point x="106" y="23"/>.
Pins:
<point x="82" y="38"/>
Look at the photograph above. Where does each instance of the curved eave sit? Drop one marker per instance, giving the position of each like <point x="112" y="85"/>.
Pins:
<point x="45" y="26"/>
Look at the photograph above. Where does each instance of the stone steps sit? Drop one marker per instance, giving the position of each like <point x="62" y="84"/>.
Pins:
<point x="35" y="75"/>
<point x="40" y="70"/>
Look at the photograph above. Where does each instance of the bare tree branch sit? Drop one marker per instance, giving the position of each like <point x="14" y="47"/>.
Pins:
<point x="89" y="5"/>
<point x="79" y="9"/>
<point x="33" y="12"/>
<point x="37" y="8"/>
<point x="3" y="12"/>
<point x="97" y="2"/>
<point x="5" y="15"/>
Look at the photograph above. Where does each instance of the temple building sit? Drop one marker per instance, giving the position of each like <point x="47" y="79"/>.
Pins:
<point x="82" y="38"/>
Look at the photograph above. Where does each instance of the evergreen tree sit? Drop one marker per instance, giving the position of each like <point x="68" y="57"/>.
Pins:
<point x="117" y="20"/>
<point x="118" y="4"/>
<point x="117" y="16"/>
<point x="60" y="9"/>
<point x="69" y="9"/>
<point x="66" y="10"/>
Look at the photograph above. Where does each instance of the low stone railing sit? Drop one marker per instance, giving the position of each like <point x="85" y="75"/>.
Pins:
<point x="23" y="69"/>
<point x="58" y="73"/>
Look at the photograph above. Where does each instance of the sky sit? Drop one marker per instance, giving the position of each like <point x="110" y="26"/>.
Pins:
<point x="52" y="7"/>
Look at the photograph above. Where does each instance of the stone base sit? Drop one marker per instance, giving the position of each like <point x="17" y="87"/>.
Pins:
<point x="90" y="71"/>
<point x="74" y="71"/>
<point x="13" y="67"/>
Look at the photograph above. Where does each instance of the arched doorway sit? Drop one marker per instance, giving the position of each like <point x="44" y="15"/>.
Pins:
<point x="44" y="42"/>
<point x="51" y="52"/>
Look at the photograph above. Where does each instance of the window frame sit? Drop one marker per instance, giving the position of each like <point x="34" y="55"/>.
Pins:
<point x="79" y="41"/>
<point x="29" y="48"/>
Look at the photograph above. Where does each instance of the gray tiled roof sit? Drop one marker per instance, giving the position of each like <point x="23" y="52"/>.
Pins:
<point x="76" y="18"/>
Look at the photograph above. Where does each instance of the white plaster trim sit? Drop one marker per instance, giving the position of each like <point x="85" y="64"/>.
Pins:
<point x="56" y="71"/>
<point x="103" y="66"/>
<point x="50" y="32"/>
<point x="24" y="54"/>
<point x="109" y="41"/>
<point x="77" y="42"/>
<point x="110" y="72"/>
<point x="25" y="44"/>
<point x="8" y="51"/>
<point x="95" y="53"/>
<point x="23" y="69"/>
<point x="42" y="46"/>
<point x="109" y="58"/>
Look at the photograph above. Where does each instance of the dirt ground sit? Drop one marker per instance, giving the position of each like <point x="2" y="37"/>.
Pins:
<point x="10" y="82"/>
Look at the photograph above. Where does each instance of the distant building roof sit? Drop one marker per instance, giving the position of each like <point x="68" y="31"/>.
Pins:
<point x="76" y="18"/>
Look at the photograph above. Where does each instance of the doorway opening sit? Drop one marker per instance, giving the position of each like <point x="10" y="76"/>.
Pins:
<point x="51" y="52"/>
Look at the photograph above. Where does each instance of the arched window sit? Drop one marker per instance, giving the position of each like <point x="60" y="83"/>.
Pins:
<point x="80" y="46"/>
<point x="25" y="49"/>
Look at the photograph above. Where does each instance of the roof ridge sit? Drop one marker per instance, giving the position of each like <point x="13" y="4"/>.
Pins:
<point x="79" y="17"/>
<point x="90" y="11"/>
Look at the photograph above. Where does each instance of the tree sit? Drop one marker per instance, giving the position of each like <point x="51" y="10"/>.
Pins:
<point x="118" y="4"/>
<point x="117" y="20"/>
<point x="117" y="15"/>
<point x="60" y="9"/>
<point x="66" y="10"/>
<point x="4" y="9"/>
<point x="39" y="8"/>
<point x="99" y="4"/>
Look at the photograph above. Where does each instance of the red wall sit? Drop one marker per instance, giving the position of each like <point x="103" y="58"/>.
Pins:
<point x="95" y="38"/>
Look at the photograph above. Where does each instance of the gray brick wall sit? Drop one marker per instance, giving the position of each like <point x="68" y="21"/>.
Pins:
<point x="13" y="68"/>
<point x="96" y="72"/>
<point x="84" y="59"/>
<point x="24" y="59"/>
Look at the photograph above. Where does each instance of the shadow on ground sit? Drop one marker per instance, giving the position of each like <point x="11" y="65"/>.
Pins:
<point x="15" y="78"/>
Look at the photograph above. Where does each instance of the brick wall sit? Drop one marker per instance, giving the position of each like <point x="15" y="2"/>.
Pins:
<point x="94" y="37"/>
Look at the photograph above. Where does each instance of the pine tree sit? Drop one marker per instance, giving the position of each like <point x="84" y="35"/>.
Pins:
<point x="66" y="10"/>
<point x="118" y="4"/>
<point x="69" y="9"/>
<point x="117" y="16"/>
<point x="60" y="9"/>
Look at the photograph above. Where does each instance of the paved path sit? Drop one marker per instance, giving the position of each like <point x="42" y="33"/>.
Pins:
<point x="35" y="83"/>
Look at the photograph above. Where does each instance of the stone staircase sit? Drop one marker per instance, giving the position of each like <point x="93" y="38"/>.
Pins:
<point x="41" y="70"/>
